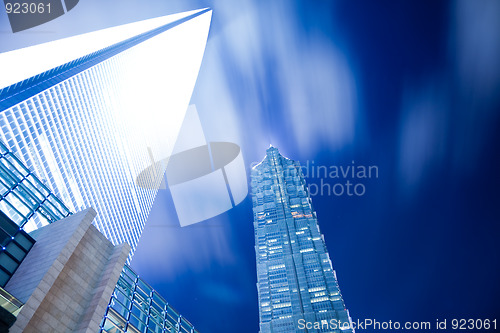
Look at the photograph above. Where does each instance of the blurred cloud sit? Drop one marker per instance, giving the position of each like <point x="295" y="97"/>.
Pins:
<point x="177" y="253"/>
<point x="475" y="48"/>
<point x="315" y="83"/>
<point x="167" y="252"/>
<point x="266" y="70"/>
<point x="423" y="132"/>
<point x="226" y="85"/>
<point x="449" y="117"/>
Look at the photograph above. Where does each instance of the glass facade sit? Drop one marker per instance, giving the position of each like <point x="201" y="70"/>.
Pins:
<point x="24" y="201"/>
<point x="90" y="126"/>
<point x="135" y="307"/>
<point x="296" y="281"/>
<point x="23" y="197"/>
<point x="9" y="310"/>
<point x="9" y="302"/>
<point x="15" y="244"/>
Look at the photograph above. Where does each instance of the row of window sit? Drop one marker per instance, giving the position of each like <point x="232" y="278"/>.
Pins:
<point x="23" y="197"/>
<point x="84" y="152"/>
<point x="136" y="307"/>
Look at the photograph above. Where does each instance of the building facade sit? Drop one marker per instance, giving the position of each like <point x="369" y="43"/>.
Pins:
<point x="88" y="115"/>
<point x="23" y="200"/>
<point x="97" y="109"/>
<point x="297" y="285"/>
<point x="64" y="276"/>
<point x="135" y="307"/>
<point x="23" y="197"/>
<point x="67" y="277"/>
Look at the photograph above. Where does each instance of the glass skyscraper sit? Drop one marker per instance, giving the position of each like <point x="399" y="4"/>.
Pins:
<point x="89" y="113"/>
<point x="297" y="285"/>
<point x="133" y="306"/>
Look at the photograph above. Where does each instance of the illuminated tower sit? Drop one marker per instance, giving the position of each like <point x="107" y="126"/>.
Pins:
<point x="89" y="113"/>
<point x="295" y="278"/>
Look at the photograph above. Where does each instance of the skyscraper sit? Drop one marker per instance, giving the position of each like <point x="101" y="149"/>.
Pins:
<point x="64" y="276"/>
<point x="58" y="278"/>
<point x="297" y="285"/>
<point x="89" y="113"/>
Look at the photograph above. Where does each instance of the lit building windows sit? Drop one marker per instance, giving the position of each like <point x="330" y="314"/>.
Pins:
<point x="295" y="278"/>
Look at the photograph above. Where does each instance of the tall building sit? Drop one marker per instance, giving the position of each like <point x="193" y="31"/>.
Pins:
<point x="60" y="277"/>
<point x="65" y="276"/>
<point x="89" y="113"/>
<point x="297" y="285"/>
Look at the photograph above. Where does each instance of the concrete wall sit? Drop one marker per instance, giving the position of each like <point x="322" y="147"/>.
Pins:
<point x="67" y="278"/>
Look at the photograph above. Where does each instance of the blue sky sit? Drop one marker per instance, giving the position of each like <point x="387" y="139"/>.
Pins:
<point x="411" y="87"/>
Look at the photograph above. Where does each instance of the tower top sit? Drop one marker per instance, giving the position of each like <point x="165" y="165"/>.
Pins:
<point x="271" y="148"/>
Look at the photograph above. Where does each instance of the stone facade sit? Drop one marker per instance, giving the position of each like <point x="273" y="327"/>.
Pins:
<point x="67" y="278"/>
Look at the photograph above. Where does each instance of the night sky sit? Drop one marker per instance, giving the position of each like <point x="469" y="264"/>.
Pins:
<point x="411" y="87"/>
